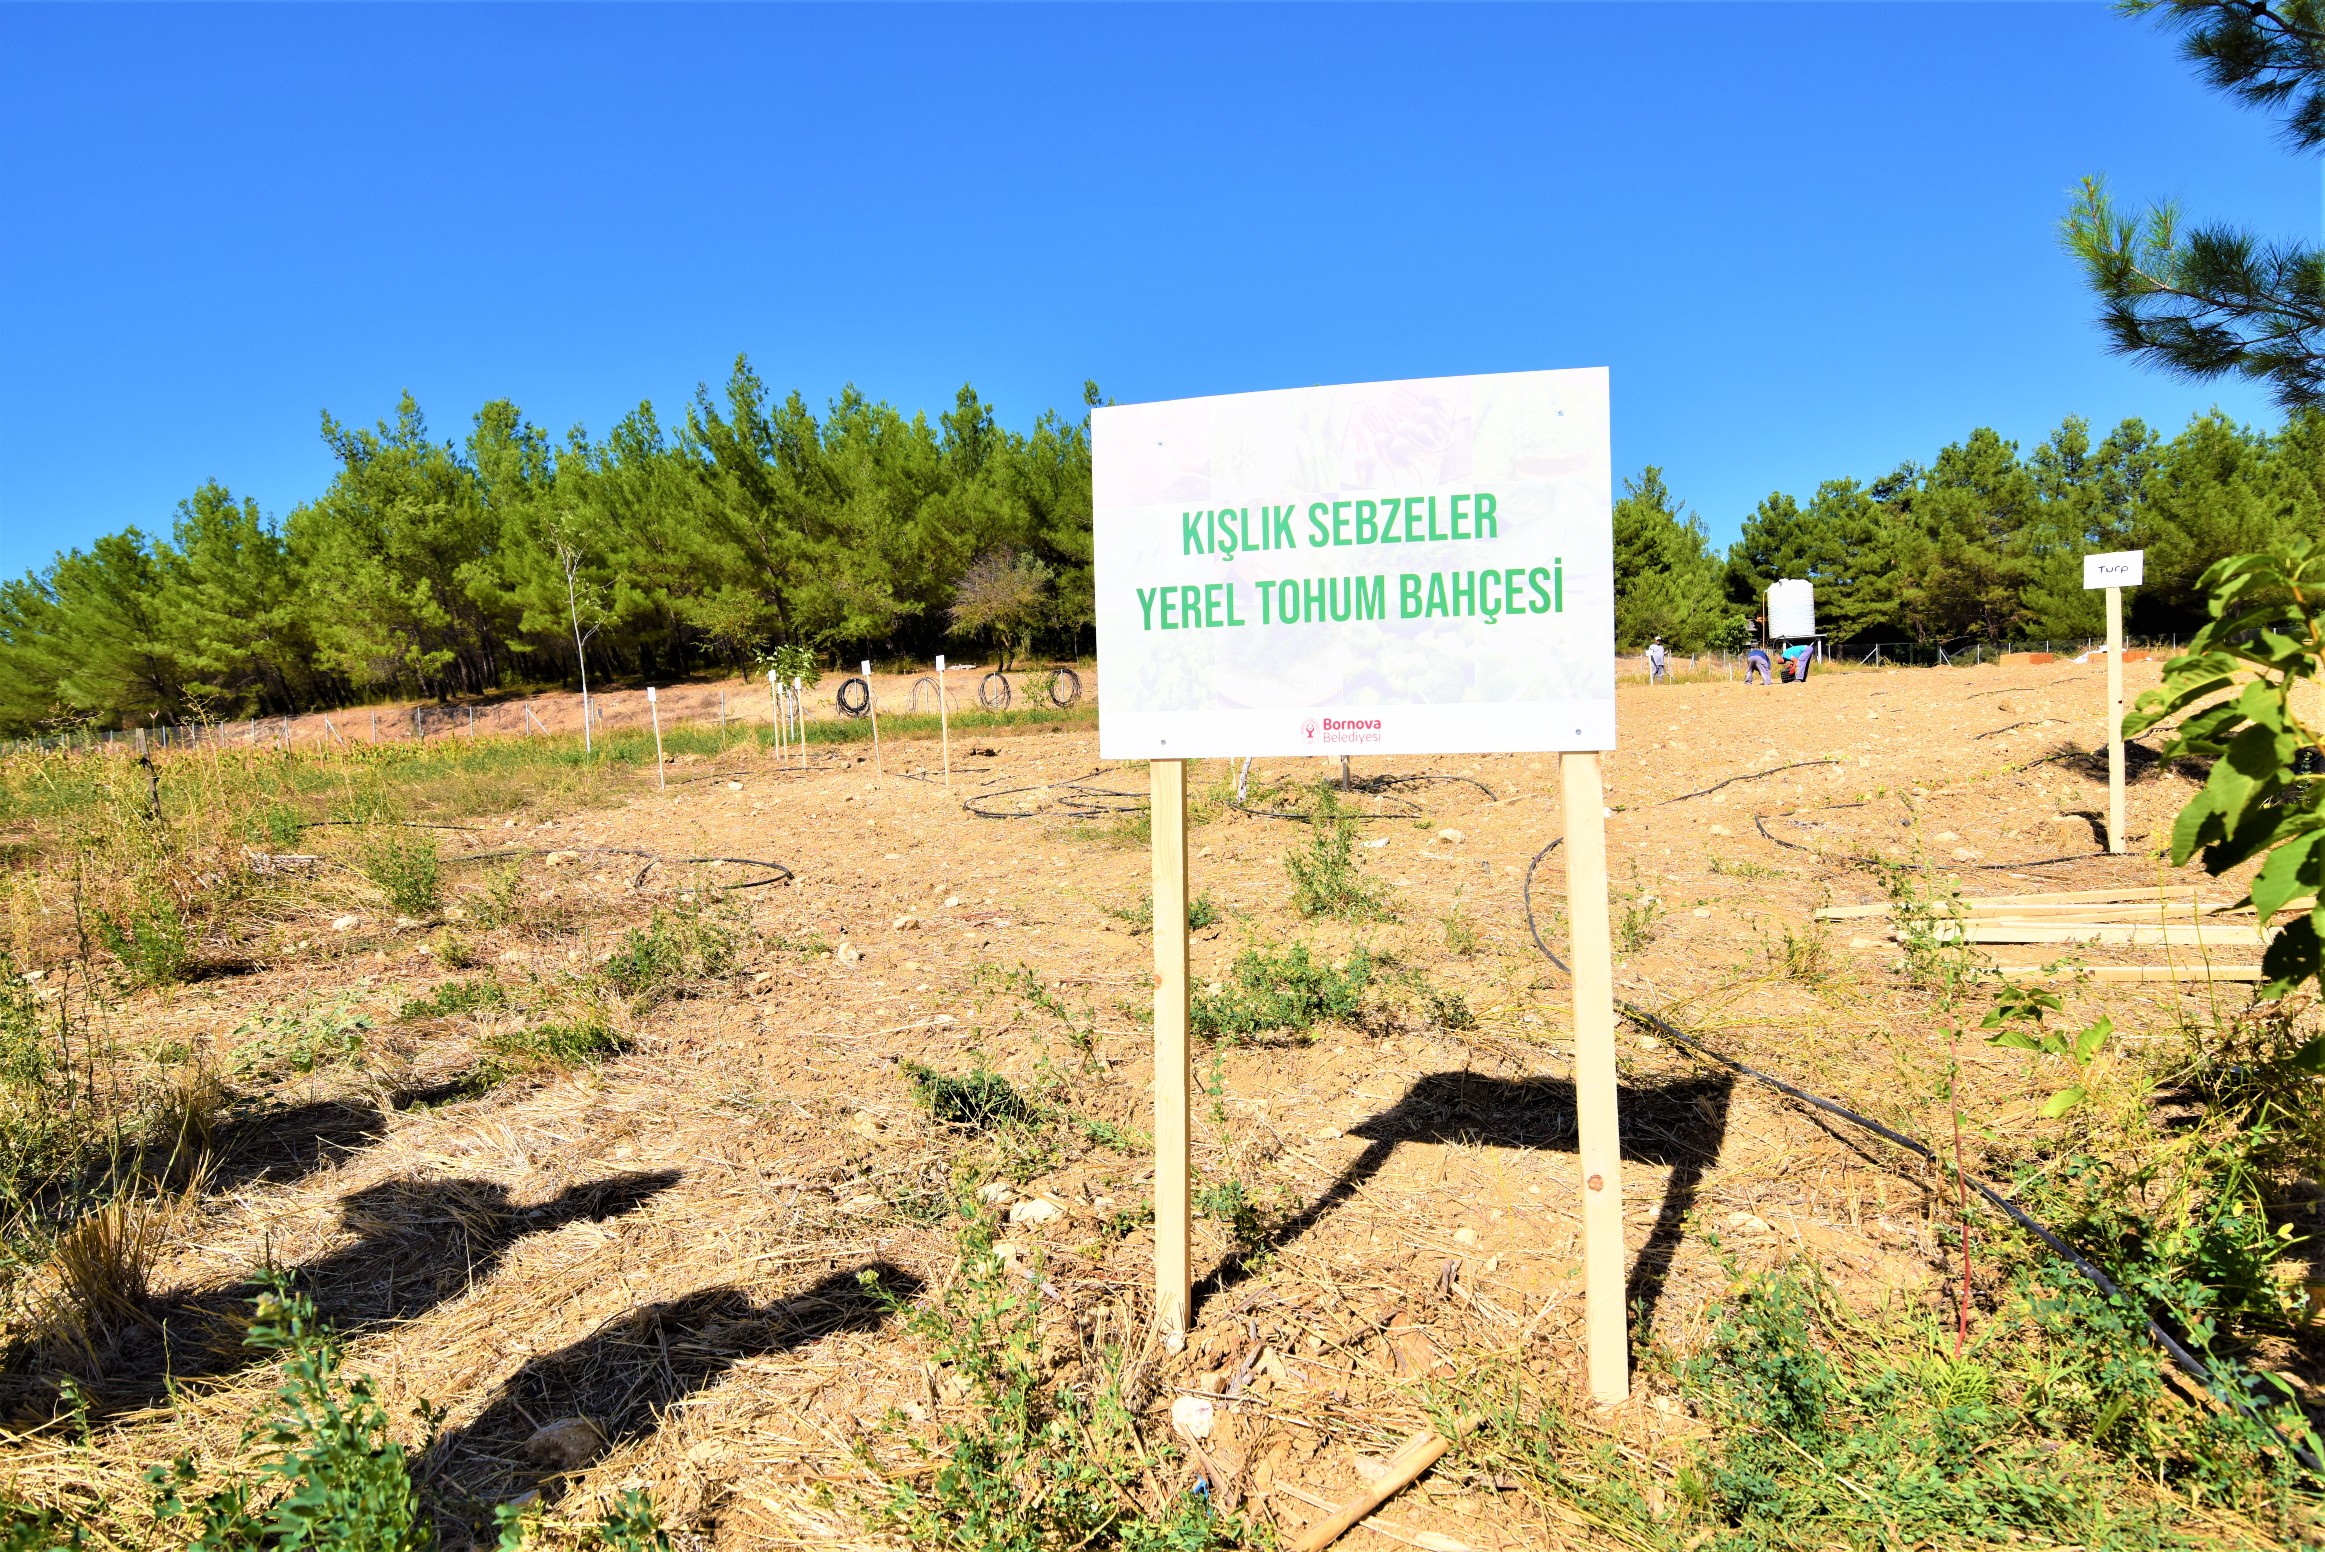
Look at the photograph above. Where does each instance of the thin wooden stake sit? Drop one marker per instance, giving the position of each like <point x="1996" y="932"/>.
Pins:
<point x="2115" y="838"/>
<point x="1173" y="1273"/>
<point x="799" y="715"/>
<point x="1416" y="1455"/>
<point x="775" y="710"/>
<point x="654" y="710"/>
<point x="945" y="733"/>
<point x="872" y="705"/>
<point x="1600" y="1145"/>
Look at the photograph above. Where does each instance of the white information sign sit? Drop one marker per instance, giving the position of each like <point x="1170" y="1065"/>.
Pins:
<point x="2121" y="568"/>
<point x="1420" y="567"/>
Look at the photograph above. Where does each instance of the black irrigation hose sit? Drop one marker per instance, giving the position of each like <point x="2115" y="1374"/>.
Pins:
<point x="1760" y="823"/>
<point x="1732" y="780"/>
<point x="1077" y="808"/>
<point x="2189" y="1364"/>
<point x="777" y="873"/>
<point x="1376" y="786"/>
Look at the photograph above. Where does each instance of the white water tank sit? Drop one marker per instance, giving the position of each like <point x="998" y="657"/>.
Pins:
<point x="1791" y="610"/>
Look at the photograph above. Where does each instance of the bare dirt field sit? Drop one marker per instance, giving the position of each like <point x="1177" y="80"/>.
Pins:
<point x="669" y="1243"/>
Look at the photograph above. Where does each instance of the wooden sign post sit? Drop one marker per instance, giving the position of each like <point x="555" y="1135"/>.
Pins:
<point x="872" y="708"/>
<point x="2115" y="572"/>
<point x="1598" y="1142"/>
<point x="1251" y="605"/>
<point x="1173" y="1266"/>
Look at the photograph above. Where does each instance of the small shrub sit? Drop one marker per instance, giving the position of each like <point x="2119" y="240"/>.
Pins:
<point x="1461" y="939"/>
<point x="578" y="1042"/>
<point x="499" y="906"/>
<point x="453" y="950"/>
<point x="276" y="1044"/>
<point x="275" y="825"/>
<point x="1202" y="911"/>
<point x="1325" y="877"/>
<point x="453" y="998"/>
<point x="149" y="940"/>
<point x="1806" y="954"/>
<point x="403" y="864"/>
<point x="1231" y="1204"/>
<point x="653" y="961"/>
<point x="1289" y="990"/>
<point x="1447" y="1009"/>
<point x="980" y="1100"/>
<point x="332" y="1473"/>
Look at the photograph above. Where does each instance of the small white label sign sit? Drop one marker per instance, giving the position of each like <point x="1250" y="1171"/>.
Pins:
<point x="1376" y="568"/>
<point x="2120" y="568"/>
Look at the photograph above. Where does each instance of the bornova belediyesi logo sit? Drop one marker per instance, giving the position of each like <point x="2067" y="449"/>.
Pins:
<point x="1343" y="730"/>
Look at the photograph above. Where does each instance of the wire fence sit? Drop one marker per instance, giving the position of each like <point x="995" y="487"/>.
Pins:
<point x="730" y="705"/>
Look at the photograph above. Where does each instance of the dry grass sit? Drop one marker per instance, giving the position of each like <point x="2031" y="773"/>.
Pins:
<point x="665" y="1242"/>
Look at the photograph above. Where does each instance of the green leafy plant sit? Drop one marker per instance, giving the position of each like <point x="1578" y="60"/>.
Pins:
<point x="2236" y="691"/>
<point x="1028" y="1465"/>
<point x="980" y="1100"/>
<point x="301" y="1040"/>
<point x="1289" y="990"/>
<point x="1081" y="1030"/>
<point x="653" y="961"/>
<point x="336" y="1479"/>
<point x="582" y="1041"/>
<point x="457" y="997"/>
<point x="149" y="940"/>
<point x="2017" y="1020"/>
<point x="1326" y="880"/>
<point x="1202" y="911"/>
<point x="1230" y="1203"/>
<point x="401" y="861"/>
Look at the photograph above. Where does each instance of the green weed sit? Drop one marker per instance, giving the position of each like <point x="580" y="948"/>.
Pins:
<point x="149" y="940"/>
<point x="582" y="1041"/>
<point x="330" y="1472"/>
<point x="1029" y="1465"/>
<point x="453" y="998"/>
<point x="1288" y="990"/>
<point x="653" y="961"/>
<point x="980" y="1100"/>
<point x="1326" y="880"/>
<point x="403" y="865"/>
<point x="1202" y="911"/>
<point x="300" y="1041"/>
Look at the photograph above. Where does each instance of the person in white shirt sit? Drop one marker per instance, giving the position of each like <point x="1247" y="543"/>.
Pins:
<point x="1658" y="662"/>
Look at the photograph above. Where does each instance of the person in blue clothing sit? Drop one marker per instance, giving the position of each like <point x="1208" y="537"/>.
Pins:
<point x="1796" y="661"/>
<point x="1756" y="662"/>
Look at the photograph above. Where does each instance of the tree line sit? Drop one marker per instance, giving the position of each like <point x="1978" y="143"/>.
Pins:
<point x="1981" y="544"/>
<point x="431" y="568"/>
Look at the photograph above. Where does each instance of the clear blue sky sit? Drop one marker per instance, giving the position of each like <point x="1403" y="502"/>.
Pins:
<point x="1809" y="240"/>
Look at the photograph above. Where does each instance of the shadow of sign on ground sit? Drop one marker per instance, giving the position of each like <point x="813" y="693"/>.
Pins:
<point x="1677" y="1125"/>
<point x="564" y="1409"/>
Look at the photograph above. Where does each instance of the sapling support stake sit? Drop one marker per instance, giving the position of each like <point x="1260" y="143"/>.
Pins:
<point x="872" y="706"/>
<point x="799" y="717"/>
<point x="1961" y="1201"/>
<point x="943" y="727"/>
<point x="654" y="710"/>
